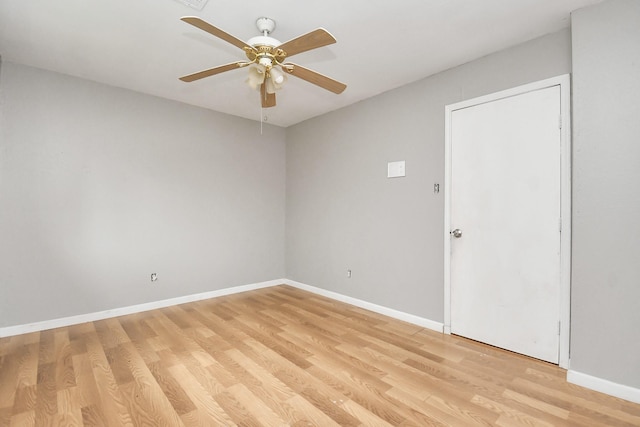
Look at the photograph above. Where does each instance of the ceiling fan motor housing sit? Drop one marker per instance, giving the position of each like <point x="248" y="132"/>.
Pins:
<point x="263" y="41"/>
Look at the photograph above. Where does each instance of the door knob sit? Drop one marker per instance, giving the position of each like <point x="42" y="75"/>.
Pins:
<point x="457" y="233"/>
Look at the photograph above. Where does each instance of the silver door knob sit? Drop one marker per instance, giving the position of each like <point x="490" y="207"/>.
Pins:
<point x="457" y="233"/>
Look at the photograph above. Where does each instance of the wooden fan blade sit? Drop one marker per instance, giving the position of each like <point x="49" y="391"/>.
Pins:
<point x="312" y="40"/>
<point x="205" y="26"/>
<point x="314" y="77"/>
<point x="213" y="71"/>
<point x="268" y="99"/>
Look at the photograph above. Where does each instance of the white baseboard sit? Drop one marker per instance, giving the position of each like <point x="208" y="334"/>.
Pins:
<point x="406" y="317"/>
<point x="138" y="308"/>
<point x="604" y="386"/>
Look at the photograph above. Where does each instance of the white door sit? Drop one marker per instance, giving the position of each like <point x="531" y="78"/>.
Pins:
<point x="505" y="200"/>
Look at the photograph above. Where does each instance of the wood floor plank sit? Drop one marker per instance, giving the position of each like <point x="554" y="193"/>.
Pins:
<point x="202" y="397"/>
<point x="172" y="389"/>
<point x="257" y="378"/>
<point x="325" y="401"/>
<point x="5" y="416"/>
<point x="508" y="416"/>
<point x="285" y="348"/>
<point x="93" y="415"/>
<point x="146" y="398"/>
<point x="111" y="400"/>
<point x="591" y="407"/>
<point x="111" y="333"/>
<point x="69" y="401"/>
<point x="236" y="411"/>
<point x="119" y="365"/>
<point x="25" y="399"/>
<point x="28" y="365"/>
<point x="46" y="395"/>
<point x="419" y="413"/>
<point x="262" y="412"/>
<point x="65" y="376"/>
<point x="364" y="415"/>
<point x="561" y="413"/>
<point x="46" y="351"/>
<point x="148" y="405"/>
<point x="365" y="396"/>
<point x="9" y="375"/>
<point x="23" y="419"/>
<point x="281" y="356"/>
<point x="69" y="419"/>
<point x="87" y="388"/>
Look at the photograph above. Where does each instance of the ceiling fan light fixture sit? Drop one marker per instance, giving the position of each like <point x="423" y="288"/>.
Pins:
<point x="277" y="76"/>
<point x="272" y="84"/>
<point x="256" y="76"/>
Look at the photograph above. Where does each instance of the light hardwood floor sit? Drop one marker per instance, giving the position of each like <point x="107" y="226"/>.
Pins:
<point x="282" y="357"/>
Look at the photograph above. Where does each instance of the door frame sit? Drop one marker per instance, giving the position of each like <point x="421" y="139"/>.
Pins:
<point x="564" y="81"/>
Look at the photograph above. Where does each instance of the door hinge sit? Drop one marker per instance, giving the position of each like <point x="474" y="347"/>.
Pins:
<point x="560" y="121"/>
<point x="560" y="225"/>
<point x="559" y="327"/>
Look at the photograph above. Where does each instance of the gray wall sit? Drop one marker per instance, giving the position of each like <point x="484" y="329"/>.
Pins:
<point x="342" y="211"/>
<point x="100" y="187"/>
<point x="605" y="332"/>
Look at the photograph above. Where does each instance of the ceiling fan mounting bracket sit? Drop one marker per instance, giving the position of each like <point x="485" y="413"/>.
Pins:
<point x="265" y="25"/>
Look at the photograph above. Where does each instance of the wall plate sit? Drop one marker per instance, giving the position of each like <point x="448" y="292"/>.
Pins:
<point x="396" y="169"/>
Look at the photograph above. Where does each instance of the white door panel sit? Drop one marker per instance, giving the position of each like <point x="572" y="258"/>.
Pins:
<point x="505" y="198"/>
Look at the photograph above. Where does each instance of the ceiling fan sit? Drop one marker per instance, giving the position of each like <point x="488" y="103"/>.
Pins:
<point x="266" y="58"/>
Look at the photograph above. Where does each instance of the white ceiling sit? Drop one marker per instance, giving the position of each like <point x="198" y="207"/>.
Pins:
<point x="142" y="44"/>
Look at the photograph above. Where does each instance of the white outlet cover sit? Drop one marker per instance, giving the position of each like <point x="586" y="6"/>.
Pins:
<point x="396" y="169"/>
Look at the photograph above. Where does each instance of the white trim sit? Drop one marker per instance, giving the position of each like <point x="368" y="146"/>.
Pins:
<point x="406" y="317"/>
<point x="447" y="220"/>
<point x="565" y="220"/>
<point x="564" y="82"/>
<point x="604" y="386"/>
<point x="138" y="308"/>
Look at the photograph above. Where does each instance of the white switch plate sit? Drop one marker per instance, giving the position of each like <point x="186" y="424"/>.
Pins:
<point x="395" y="169"/>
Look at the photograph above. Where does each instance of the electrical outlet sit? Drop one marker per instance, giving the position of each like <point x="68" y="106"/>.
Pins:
<point x="154" y="277"/>
<point x="349" y="273"/>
